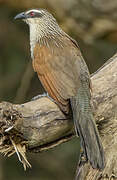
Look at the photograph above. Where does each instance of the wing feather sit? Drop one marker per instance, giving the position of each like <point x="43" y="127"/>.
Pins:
<point x="58" y="70"/>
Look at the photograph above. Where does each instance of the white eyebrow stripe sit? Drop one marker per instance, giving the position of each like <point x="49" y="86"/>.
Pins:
<point x="34" y="10"/>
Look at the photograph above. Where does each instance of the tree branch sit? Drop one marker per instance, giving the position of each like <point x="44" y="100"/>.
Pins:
<point x="39" y="125"/>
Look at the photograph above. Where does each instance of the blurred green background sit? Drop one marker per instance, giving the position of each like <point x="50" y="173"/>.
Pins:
<point x="94" y="27"/>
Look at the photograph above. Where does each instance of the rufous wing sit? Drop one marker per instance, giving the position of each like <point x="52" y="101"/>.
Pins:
<point x="58" y="69"/>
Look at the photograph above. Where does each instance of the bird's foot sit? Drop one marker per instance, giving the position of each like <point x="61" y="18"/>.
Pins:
<point x="41" y="96"/>
<point x="46" y="95"/>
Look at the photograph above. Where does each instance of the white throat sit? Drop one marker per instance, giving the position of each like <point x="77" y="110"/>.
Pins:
<point x="41" y="29"/>
<point x="33" y="37"/>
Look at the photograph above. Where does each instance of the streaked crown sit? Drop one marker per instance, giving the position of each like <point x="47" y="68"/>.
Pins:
<point x="32" y="15"/>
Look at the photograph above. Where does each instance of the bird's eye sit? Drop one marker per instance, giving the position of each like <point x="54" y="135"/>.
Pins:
<point x="32" y="14"/>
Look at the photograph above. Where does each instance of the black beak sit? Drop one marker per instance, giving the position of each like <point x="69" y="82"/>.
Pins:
<point x="20" y="16"/>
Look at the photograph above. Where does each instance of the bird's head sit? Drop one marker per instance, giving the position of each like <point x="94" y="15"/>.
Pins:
<point x="37" y="16"/>
<point x="42" y="25"/>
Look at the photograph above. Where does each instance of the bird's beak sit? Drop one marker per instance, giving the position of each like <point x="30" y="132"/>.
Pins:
<point x="20" y="16"/>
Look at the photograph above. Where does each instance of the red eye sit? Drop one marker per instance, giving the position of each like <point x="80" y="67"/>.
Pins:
<point x="32" y="13"/>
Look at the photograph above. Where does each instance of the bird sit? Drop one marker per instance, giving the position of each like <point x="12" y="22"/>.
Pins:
<point x="61" y="68"/>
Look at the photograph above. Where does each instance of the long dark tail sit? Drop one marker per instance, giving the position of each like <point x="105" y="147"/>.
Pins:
<point x="86" y="128"/>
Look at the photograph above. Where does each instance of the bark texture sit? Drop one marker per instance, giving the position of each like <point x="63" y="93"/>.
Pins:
<point x="105" y="109"/>
<point x="39" y="125"/>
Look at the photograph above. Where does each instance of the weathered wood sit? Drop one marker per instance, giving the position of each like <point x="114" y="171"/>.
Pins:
<point x="40" y="125"/>
<point x="105" y="109"/>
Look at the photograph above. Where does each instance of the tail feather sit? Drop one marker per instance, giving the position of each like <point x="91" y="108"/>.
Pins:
<point x="86" y="128"/>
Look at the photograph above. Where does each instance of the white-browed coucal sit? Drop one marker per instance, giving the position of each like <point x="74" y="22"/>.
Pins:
<point x="63" y="72"/>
